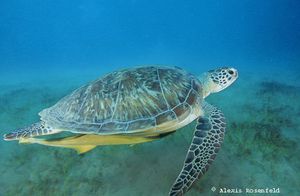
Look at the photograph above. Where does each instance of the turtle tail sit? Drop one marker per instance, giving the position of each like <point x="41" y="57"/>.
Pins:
<point x="35" y="129"/>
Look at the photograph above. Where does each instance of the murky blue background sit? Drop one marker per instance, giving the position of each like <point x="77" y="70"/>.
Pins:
<point x="48" y="48"/>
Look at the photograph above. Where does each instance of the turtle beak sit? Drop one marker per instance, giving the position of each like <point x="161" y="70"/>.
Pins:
<point x="236" y="74"/>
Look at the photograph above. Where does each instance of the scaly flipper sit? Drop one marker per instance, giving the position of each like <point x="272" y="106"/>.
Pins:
<point x="33" y="130"/>
<point x="208" y="136"/>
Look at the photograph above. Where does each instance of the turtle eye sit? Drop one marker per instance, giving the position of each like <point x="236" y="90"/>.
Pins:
<point x="231" y="72"/>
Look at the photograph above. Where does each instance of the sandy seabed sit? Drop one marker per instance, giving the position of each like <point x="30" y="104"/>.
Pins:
<point x="260" y="151"/>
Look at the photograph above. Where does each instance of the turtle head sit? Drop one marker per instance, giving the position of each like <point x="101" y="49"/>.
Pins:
<point x="218" y="79"/>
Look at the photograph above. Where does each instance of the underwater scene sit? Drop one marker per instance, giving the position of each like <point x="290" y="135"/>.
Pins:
<point x="48" y="49"/>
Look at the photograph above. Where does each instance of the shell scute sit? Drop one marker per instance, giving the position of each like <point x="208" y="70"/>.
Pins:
<point x="192" y="98"/>
<point x="182" y="111"/>
<point x="141" y="124"/>
<point x="111" y="126"/>
<point x="165" y="117"/>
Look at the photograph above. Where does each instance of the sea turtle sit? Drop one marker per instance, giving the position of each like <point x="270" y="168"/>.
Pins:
<point x="138" y="105"/>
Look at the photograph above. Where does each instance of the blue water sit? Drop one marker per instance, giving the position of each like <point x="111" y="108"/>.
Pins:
<point x="48" y="48"/>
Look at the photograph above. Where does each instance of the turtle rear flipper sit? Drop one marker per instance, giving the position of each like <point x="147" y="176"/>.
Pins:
<point x="208" y="136"/>
<point x="36" y="129"/>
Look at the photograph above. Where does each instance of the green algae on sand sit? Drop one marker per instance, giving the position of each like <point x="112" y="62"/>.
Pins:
<point x="260" y="149"/>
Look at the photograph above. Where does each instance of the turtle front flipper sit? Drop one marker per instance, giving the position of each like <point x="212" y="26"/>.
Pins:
<point x="36" y="129"/>
<point x="208" y="136"/>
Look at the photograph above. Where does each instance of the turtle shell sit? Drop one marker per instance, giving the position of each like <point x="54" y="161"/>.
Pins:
<point x="129" y="101"/>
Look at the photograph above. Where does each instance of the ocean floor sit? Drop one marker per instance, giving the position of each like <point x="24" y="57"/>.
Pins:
<point x="261" y="147"/>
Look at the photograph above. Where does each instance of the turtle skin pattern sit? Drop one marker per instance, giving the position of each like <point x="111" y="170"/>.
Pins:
<point x="207" y="140"/>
